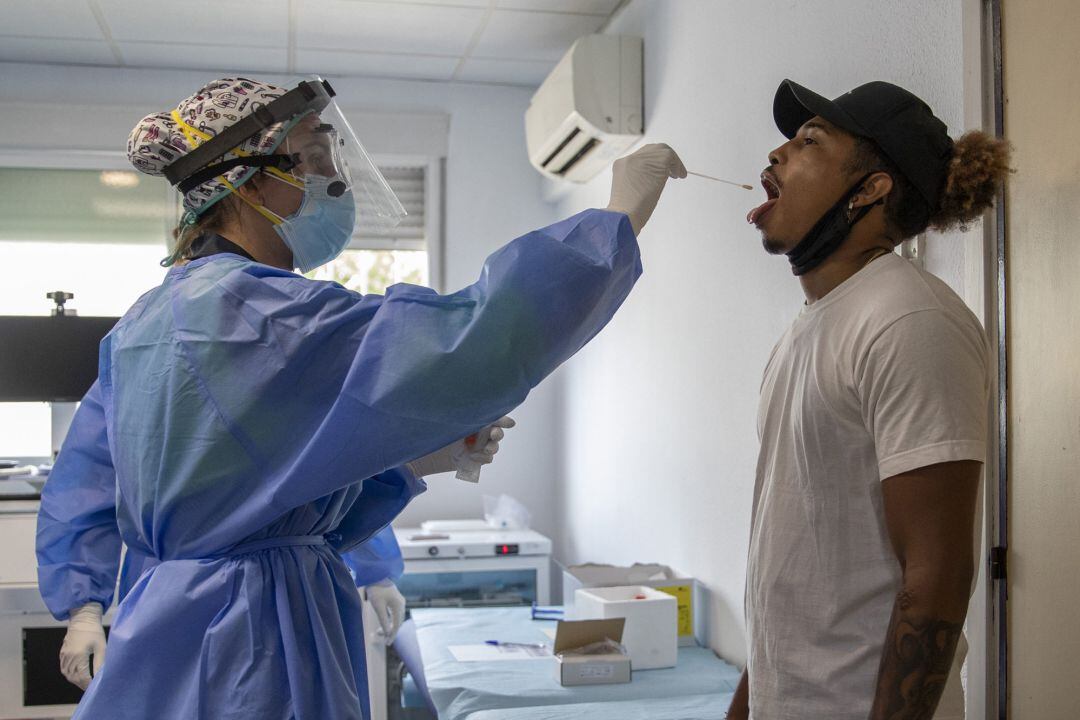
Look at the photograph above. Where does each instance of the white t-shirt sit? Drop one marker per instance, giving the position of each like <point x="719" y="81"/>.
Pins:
<point x="885" y="374"/>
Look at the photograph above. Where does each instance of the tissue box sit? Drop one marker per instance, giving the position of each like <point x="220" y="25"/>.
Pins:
<point x="649" y="636"/>
<point x="605" y="669"/>
<point x="660" y="577"/>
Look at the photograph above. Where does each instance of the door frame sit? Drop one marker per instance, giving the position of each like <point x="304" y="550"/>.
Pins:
<point x="985" y="293"/>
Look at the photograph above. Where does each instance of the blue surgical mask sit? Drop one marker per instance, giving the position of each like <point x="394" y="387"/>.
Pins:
<point x="322" y="226"/>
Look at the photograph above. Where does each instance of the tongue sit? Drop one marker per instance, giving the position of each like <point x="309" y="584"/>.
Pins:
<point x="755" y="215"/>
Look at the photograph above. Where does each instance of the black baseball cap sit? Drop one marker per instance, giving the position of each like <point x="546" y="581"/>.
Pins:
<point x="901" y="124"/>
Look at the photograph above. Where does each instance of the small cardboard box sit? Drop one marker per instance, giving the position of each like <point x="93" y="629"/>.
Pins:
<point x="604" y="669"/>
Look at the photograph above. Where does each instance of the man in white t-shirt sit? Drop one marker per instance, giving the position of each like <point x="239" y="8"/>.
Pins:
<point x="872" y="420"/>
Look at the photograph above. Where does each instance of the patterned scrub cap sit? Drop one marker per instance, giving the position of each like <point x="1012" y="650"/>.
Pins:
<point x="161" y="138"/>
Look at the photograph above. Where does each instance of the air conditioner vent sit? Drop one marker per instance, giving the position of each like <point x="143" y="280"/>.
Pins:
<point x="578" y="156"/>
<point x="559" y="148"/>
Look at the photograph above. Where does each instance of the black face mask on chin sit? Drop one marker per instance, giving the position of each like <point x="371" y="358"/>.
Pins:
<point x="829" y="232"/>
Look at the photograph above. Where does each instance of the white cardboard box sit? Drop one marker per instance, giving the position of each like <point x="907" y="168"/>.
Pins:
<point x="650" y="635"/>
<point x="691" y="629"/>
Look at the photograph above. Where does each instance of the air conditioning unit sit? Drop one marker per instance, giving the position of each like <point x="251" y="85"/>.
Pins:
<point x="588" y="111"/>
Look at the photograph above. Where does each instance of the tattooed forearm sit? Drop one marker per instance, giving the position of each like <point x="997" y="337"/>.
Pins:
<point x="914" y="664"/>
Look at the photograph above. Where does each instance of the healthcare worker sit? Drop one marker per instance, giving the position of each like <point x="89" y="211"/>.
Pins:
<point x="259" y="423"/>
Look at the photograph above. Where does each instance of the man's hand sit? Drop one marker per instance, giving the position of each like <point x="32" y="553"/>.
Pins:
<point x="740" y="703"/>
<point x="85" y="637"/>
<point x="930" y="515"/>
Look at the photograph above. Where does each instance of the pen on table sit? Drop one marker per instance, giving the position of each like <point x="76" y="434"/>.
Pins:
<point x="538" y="646"/>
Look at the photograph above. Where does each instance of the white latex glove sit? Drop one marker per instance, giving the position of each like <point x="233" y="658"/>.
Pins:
<point x="85" y="637"/>
<point x="389" y="606"/>
<point x="457" y="455"/>
<point x="638" y="179"/>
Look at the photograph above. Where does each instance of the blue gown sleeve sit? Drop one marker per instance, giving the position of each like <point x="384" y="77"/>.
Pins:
<point x="377" y="559"/>
<point x="78" y="541"/>
<point x="381" y="499"/>
<point x="368" y="383"/>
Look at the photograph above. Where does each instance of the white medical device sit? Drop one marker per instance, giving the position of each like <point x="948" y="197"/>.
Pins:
<point x="31" y="685"/>
<point x="589" y="110"/>
<point x="474" y="567"/>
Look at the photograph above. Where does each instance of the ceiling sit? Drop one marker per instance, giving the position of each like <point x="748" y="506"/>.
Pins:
<point x="513" y="42"/>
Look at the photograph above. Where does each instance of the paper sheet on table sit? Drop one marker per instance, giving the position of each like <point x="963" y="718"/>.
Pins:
<point x="496" y="653"/>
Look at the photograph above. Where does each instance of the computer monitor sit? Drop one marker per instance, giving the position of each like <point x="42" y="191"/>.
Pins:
<point x="49" y="359"/>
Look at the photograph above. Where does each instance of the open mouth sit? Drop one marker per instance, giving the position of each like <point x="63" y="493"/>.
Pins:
<point x="772" y="192"/>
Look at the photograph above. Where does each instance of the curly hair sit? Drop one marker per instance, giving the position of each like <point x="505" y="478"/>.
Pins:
<point x="978" y="167"/>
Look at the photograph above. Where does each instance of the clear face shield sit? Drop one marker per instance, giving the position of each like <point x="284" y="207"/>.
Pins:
<point x="320" y="154"/>
<point x="324" y="155"/>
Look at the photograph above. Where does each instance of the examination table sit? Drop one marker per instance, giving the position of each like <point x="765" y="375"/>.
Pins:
<point x="700" y="686"/>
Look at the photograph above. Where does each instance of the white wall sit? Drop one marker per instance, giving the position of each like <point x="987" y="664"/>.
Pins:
<point x="659" y="411"/>
<point x="492" y="195"/>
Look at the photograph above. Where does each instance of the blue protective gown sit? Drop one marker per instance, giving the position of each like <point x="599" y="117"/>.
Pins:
<point x="255" y="424"/>
<point x="81" y="525"/>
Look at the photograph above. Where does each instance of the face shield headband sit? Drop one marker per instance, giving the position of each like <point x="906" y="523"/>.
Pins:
<point x="345" y="163"/>
<point x="829" y="232"/>
<point x="196" y="167"/>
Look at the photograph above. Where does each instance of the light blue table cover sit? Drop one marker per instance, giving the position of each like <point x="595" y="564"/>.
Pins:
<point x="695" y="707"/>
<point x="458" y="690"/>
